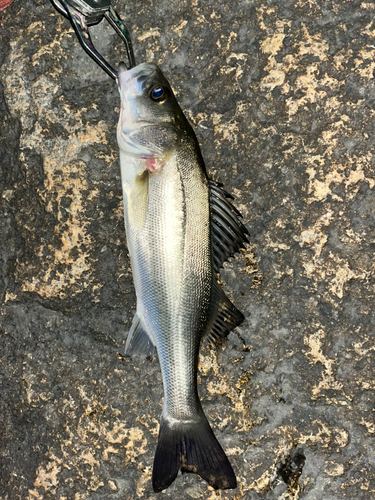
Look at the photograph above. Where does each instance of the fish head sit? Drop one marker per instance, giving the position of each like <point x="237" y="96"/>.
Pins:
<point x="151" y="122"/>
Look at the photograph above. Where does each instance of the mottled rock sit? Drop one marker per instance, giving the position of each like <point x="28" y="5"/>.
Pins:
<point x="282" y="98"/>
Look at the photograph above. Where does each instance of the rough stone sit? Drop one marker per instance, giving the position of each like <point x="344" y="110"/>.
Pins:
<point x="282" y="97"/>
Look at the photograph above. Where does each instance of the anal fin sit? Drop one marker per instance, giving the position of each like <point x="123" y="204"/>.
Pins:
<point x="139" y="341"/>
<point x="224" y="315"/>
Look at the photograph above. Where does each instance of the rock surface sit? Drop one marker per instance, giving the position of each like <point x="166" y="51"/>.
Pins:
<point x="282" y="97"/>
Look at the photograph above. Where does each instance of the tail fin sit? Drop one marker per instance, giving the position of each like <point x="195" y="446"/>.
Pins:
<point x="191" y="447"/>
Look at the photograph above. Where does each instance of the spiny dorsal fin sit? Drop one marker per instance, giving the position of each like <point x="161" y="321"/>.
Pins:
<point x="224" y="316"/>
<point x="228" y="232"/>
<point x="138" y="341"/>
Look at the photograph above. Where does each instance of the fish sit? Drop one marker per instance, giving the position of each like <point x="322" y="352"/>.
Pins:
<point x="180" y="229"/>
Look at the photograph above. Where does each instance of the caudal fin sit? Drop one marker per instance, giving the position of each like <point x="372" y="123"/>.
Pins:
<point x="194" y="448"/>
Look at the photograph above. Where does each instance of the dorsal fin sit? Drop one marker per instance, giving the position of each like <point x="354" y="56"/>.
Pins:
<point x="224" y="315"/>
<point x="138" y="341"/>
<point x="228" y="232"/>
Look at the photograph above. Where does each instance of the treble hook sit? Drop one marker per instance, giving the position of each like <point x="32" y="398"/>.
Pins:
<point x="84" y="13"/>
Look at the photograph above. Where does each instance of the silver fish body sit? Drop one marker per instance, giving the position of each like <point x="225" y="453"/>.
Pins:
<point x="180" y="227"/>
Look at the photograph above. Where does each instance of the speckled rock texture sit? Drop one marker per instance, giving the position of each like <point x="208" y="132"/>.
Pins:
<point x="282" y="97"/>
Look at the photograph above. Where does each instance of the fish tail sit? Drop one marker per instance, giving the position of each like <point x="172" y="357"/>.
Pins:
<point x="191" y="447"/>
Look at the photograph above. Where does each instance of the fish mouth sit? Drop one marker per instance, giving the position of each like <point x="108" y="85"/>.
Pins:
<point x="140" y="73"/>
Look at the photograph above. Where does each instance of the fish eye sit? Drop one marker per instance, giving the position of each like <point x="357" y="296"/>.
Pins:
<point x="158" y="93"/>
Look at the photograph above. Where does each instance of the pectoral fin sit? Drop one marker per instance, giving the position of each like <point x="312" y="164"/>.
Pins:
<point x="139" y="341"/>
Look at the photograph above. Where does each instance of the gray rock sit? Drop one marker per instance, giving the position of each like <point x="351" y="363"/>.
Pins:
<point x="281" y="95"/>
